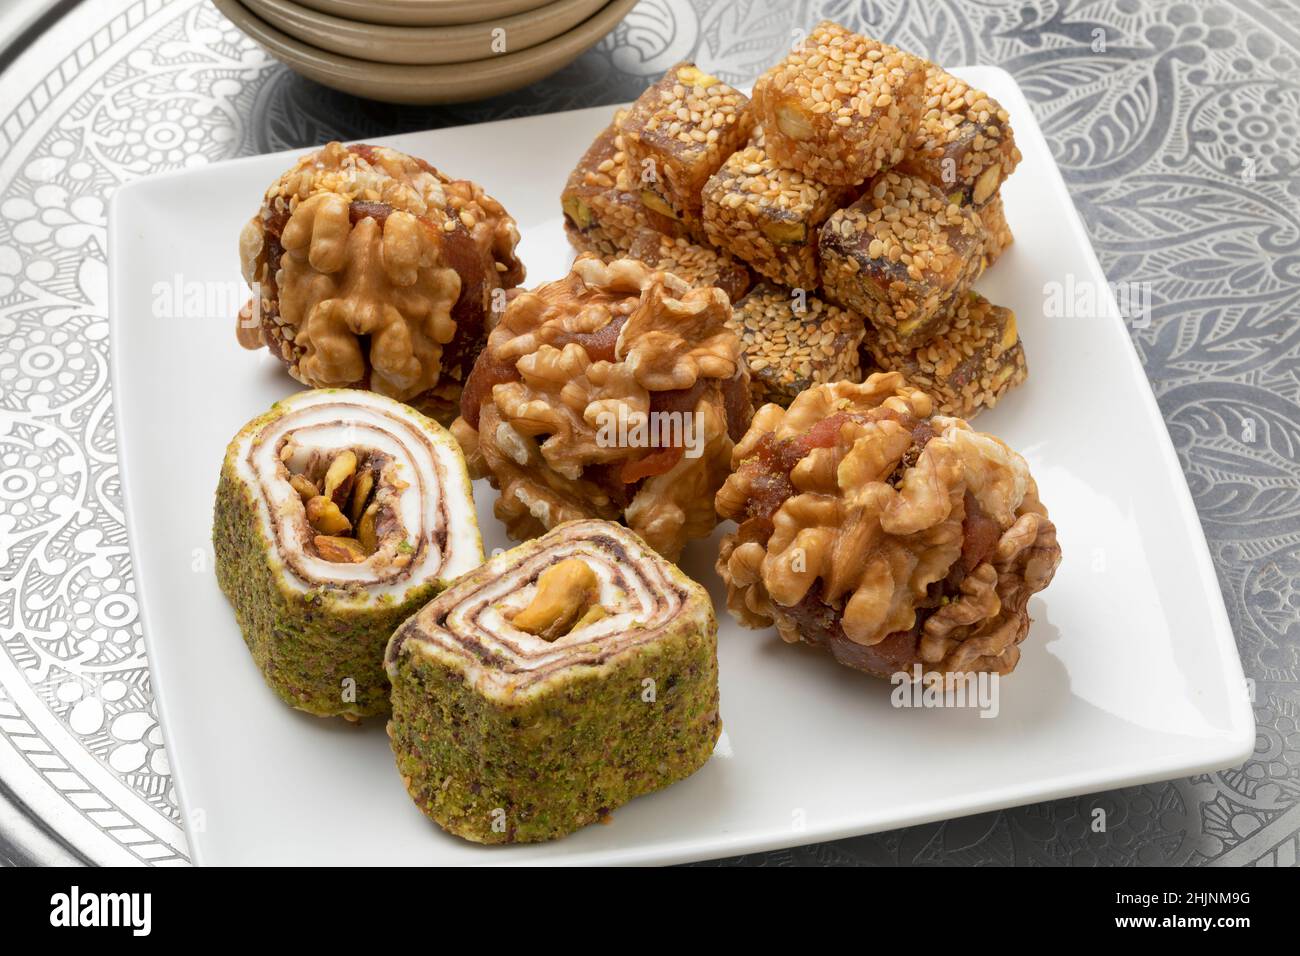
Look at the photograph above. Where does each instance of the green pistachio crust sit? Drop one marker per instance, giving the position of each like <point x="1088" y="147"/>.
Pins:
<point x="320" y="650"/>
<point x="565" y="751"/>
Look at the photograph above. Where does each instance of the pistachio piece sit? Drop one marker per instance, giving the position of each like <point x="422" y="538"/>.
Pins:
<point x="339" y="550"/>
<point x="578" y="211"/>
<point x="907" y="327"/>
<point x="594" y="614"/>
<point x="987" y="184"/>
<point x="324" y="515"/>
<point x="341" y="470"/>
<point x="652" y="200"/>
<point x="786" y="233"/>
<point x="1010" y="335"/>
<point x="565" y="592"/>
<point x="691" y="75"/>
<point x="343" y="492"/>
<point x="792" y="121"/>
<point x="305" y="487"/>
<point x="366" y="535"/>
<point x="365" y="484"/>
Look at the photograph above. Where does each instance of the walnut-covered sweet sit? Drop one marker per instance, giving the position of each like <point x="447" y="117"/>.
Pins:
<point x="616" y="392"/>
<point x="371" y="269"/>
<point x="888" y="536"/>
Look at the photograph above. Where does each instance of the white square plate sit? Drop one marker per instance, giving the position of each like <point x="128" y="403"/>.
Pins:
<point x="1130" y="673"/>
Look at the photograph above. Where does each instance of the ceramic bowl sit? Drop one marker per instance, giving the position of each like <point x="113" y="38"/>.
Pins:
<point x="423" y="45"/>
<point x="428" y="84"/>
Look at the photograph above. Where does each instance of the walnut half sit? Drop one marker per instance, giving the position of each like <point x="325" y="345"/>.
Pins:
<point x="343" y="286"/>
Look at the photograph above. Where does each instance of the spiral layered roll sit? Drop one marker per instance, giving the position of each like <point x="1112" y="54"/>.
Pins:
<point x="338" y="514"/>
<point x="554" y="683"/>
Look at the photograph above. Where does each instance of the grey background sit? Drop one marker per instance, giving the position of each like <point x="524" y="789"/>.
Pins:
<point x="1174" y="123"/>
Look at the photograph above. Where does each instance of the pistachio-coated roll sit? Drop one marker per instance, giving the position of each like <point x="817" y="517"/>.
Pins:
<point x="553" y="684"/>
<point x="338" y="514"/>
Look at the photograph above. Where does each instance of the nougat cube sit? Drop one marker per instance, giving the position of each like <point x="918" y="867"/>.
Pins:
<point x="768" y="215"/>
<point x="993" y="217"/>
<point x="793" y="340"/>
<point x="974" y="360"/>
<point x="840" y="107"/>
<point x="964" y="143"/>
<point x="677" y="134"/>
<point x="602" y="207"/>
<point x="901" y="255"/>
<point x="699" y="265"/>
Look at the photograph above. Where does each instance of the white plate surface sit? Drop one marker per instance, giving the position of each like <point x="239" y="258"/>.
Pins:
<point x="1130" y="673"/>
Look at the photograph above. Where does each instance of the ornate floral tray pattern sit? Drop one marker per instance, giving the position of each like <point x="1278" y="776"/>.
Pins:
<point x="1174" y="124"/>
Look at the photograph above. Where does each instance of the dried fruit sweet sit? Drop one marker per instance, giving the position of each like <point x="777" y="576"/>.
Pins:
<point x="603" y="211"/>
<point x="768" y="216"/>
<point x="371" y="269"/>
<point x="615" y="393"/>
<point x="604" y="215"/>
<point x="841" y="107"/>
<point x="968" y="366"/>
<point x="677" y="134"/>
<point x="793" y="340"/>
<point x="901" y="256"/>
<point x="963" y="143"/>
<point x="997" y="231"/>
<point x="889" y="537"/>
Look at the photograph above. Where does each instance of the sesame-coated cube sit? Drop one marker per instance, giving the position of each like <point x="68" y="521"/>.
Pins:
<point x="792" y="340"/>
<point x="998" y="237"/>
<point x="901" y="255"/>
<point x="841" y="107"/>
<point x="964" y="143"/>
<point x="699" y="265"/>
<point x="768" y="215"/>
<point x="602" y="207"/>
<point x="973" y="361"/>
<point x="677" y="134"/>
